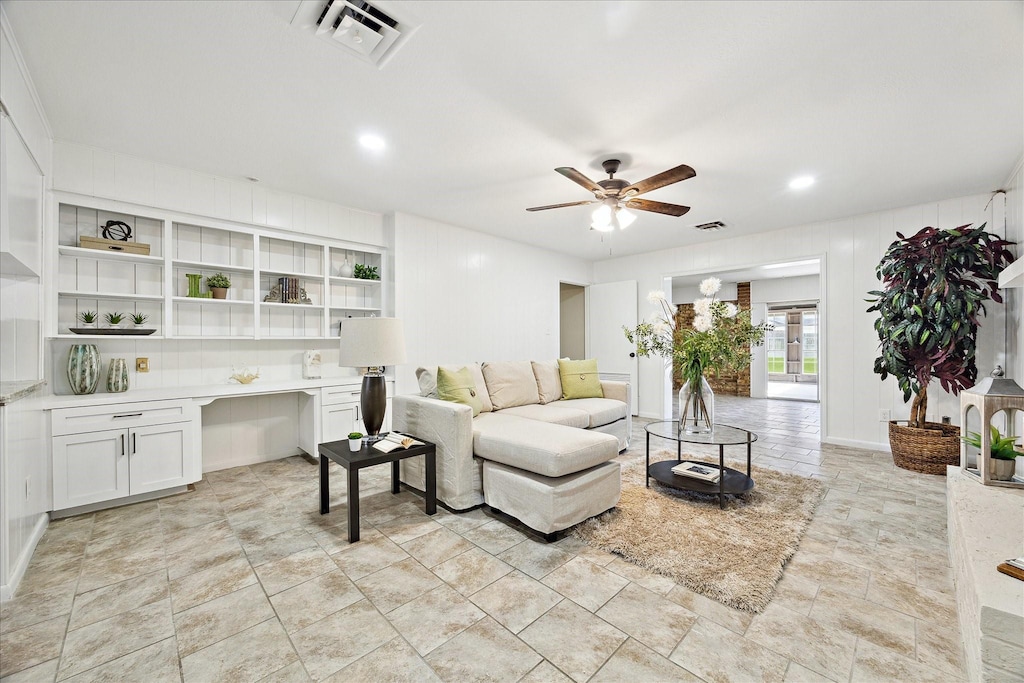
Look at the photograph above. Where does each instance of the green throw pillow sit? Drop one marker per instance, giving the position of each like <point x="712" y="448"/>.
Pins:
<point x="579" y="379"/>
<point x="458" y="386"/>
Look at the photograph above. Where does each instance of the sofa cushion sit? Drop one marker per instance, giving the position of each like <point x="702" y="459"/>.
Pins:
<point x="600" y="411"/>
<point x="511" y="383"/>
<point x="427" y="378"/>
<point x="555" y="413"/>
<point x="548" y="449"/>
<point x="457" y="386"/>
<point x="579" y="378"/>
<point x="549" y="385"/>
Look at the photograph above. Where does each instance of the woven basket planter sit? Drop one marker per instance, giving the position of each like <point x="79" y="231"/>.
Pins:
<point x="926" y="450"/>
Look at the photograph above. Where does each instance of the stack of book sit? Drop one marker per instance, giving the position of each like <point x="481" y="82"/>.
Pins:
<point x="289" y="290"/>
<point x="695" y="470"/>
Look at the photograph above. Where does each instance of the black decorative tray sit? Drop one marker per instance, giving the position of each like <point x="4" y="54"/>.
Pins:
<point x="135" y="332"/>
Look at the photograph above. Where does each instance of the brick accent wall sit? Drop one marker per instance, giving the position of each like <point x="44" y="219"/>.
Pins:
<point x="727" y="383"/>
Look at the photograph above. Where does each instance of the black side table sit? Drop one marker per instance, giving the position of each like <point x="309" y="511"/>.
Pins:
<point x="367" y="456"/>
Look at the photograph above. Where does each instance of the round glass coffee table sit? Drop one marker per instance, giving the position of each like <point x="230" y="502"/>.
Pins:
<point x="730" y="481"/>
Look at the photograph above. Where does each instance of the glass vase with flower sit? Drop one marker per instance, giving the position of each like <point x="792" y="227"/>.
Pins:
<point x="720" y="338"/>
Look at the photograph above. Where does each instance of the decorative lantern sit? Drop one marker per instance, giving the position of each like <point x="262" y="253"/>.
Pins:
<point x="989" y="397"/>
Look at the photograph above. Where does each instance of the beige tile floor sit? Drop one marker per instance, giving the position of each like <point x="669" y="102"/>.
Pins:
<point x="243" y="580"/>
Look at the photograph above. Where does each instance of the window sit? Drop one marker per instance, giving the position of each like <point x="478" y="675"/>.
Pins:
<point x="810" y="343"/>
<point x="775" y="343"/>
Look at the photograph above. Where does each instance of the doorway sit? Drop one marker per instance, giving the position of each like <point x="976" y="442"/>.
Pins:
<point x="572" y="321"/>
<point x="791" y="351"/>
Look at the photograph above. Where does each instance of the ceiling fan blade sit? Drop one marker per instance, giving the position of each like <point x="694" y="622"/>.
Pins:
<point x="657" y="207"/>
<point x="673" y="175"/>
<point x="580" y="179"/>
<point x="559" y="206"/>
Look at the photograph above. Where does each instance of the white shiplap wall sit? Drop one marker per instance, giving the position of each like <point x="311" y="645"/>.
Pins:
<point x="850" y="250"/>
<point x="467" y="296"/>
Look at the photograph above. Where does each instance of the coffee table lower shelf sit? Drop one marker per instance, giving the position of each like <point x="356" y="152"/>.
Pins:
<point x="731" y="481"/>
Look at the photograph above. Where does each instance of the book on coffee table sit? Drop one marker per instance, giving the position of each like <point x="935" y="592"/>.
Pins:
<point x="696" y="470"/>
<point x="393" y="441"/>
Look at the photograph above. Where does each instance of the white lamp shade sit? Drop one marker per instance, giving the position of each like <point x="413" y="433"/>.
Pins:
<point x="371" y="342"/>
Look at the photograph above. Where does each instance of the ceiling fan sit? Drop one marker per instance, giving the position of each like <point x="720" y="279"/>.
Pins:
<point x="614" y="195"/>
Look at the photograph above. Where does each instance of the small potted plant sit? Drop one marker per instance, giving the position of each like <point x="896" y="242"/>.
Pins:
<point x="114" y="319"/>
<point x="363" y="272"/>
<point x="88" y="318"/>
<point x="1002" y="455"/>
<point x="219" y="285"/>
<point x="139" y="319"/>
<point x="355" y="441"/>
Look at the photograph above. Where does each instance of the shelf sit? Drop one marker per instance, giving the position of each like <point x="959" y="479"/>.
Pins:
<point x="356" y="308"/>
<point x="199" y="265"/>
<point x="283" y="273"/>
<point x="354" y="282"/>
<point x="305" y="307"/>
<point x="102" y="255"/>
<point x="1012" y="275"/>
<point x="107" y="337"/>
<point x="110" y="295"/>
<point x="211" y="300"/>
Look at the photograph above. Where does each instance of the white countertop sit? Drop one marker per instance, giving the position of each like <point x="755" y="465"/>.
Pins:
<point x="12" y="391"/>
<point x="206" y="391"/>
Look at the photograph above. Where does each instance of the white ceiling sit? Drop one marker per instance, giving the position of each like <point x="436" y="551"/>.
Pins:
<point x="886" y="103"/>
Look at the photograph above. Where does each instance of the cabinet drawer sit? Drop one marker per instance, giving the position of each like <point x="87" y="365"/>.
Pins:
<point x="119" y="416"/>
<point x="347" y="393"/>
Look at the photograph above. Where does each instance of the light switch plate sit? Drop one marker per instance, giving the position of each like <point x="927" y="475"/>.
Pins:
<point x="141" y="365"/>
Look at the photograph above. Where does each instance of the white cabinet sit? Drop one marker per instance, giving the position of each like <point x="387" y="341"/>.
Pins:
<point x="341" y="412"/>
<point x="102" y="453"/>
<point x="21" y="205"/>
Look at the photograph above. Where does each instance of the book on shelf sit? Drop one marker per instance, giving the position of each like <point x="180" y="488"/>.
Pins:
<point x="695" y="470"/>
<point x="393" y="441"/>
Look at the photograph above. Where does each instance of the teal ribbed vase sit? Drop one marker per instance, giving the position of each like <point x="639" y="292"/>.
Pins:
<point x="117" y="376"/>
<point x="83" y="368"/>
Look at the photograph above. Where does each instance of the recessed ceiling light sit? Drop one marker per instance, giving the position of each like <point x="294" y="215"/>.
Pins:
<point x="801" y="182"/>
<point x="372" y="142"/>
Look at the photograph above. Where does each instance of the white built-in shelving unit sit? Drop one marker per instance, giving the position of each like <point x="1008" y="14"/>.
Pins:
<point x="254" y="258"/>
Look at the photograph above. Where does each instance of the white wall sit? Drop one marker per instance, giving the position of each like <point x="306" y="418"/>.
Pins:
<point x="466" y="296"/>
<point x="24" y="449"/>
<point x="1015" y="296"/>
<point x="785" y="289"/>
<point x="851" y="248"/>
<point x="687" y="294"/>
<point x="572" y="327"/>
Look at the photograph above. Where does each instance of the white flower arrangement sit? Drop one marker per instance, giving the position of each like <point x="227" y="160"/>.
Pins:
<point x="710" y="286"/>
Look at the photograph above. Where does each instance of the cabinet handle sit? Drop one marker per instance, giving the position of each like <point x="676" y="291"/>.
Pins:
<point x="133" y="443"/>
<point x="122" y="444"/>
<point x="128" y="415"/>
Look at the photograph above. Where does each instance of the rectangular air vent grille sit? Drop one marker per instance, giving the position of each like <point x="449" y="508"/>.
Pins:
<point x="710" y="227"/>
<point x="371" y="32"/>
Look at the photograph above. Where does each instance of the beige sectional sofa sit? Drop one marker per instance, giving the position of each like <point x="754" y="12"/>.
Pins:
<point x="529" y="453"/>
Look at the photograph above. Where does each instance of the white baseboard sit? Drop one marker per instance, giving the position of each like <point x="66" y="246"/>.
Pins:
<point x="118" y="502"/>
<point x="7" y="591"/>
<point x="854" y="443"/>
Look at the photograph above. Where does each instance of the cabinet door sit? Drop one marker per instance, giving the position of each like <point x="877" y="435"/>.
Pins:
<point x="161" y="457"/>
<point x="339" y="420"/>
<point x="89" y="468"/>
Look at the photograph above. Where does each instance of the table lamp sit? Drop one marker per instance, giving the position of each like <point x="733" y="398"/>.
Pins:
<point x="372" y="343"/>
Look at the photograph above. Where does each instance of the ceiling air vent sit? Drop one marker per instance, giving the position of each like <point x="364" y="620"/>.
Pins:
<point x="371" y="32"/>
<point x="710" y="227"/>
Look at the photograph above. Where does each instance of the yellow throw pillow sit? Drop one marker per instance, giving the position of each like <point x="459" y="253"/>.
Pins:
<point x="458" y="386"/>
<point x="579" y="379"/>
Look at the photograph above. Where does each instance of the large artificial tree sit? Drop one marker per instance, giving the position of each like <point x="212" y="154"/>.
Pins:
<point x="934" y="288"/>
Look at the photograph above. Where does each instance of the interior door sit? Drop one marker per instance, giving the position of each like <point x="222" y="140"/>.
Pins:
<point x="610" y="306"/>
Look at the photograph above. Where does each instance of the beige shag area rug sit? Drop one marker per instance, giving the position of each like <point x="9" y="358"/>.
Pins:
<point x="734" y="556"/>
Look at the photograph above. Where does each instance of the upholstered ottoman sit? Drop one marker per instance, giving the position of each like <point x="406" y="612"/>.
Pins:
<point x="550" y="504"/>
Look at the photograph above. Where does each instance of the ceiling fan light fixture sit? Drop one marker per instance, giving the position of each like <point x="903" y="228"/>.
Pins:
<point x="625" y="217"/>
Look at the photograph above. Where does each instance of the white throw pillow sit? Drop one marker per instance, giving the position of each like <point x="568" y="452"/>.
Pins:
<point x="549" y="382"/>
<point x="511" y="383"/>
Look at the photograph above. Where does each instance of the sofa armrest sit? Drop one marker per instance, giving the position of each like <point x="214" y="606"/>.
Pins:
<point x="450" y="427"/>
<point x="618" y="391"/>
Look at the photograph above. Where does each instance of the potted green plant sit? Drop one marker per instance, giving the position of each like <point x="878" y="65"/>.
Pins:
<point x="114" y="319"/>
<point x="1002" y="453"/>
<point x="139" y="319"/>
<point x="355" y="441"/>
<point x="88" y="318"/>
<point x="364" y="272"/>
<point x="219" y="285"/>
<point x="934" y="288"/>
